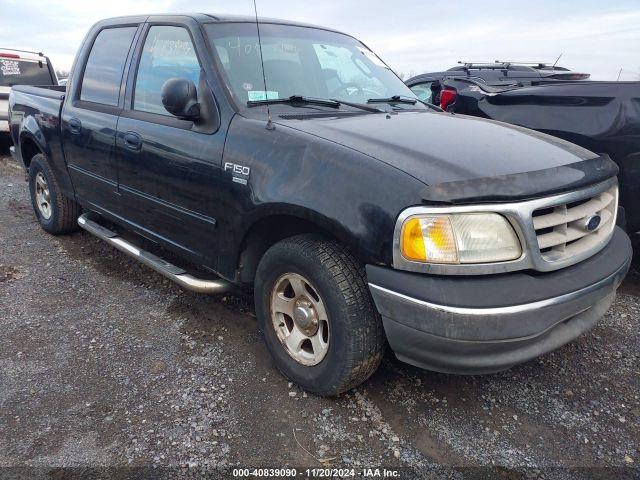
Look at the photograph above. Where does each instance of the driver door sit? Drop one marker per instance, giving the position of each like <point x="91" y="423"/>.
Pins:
<point x="168" y="168"/>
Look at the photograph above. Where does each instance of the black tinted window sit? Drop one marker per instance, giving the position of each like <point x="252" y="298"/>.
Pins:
<point x="24" y="72"/>
<point x="103" y="73"/>
<point x="168" y="53"/>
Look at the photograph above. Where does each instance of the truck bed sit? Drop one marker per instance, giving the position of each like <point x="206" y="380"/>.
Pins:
<point x="41" y="107"/>
<point x="46" y="91"/>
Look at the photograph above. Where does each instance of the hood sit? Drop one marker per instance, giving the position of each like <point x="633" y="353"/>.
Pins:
<point x="437" y="148"/>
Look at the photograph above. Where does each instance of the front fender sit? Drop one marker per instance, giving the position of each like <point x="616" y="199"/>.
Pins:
<point x="354" y="197"/>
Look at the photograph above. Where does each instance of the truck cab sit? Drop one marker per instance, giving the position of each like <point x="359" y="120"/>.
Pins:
<point x="290" y="159"/>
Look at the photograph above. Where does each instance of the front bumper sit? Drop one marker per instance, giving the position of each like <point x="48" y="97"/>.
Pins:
<point x="484" y="324"/>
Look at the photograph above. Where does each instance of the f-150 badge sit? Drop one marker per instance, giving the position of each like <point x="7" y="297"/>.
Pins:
<point x="240" y="173"/>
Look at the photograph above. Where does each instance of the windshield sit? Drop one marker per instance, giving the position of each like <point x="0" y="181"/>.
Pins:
<point x="23" y="72"/>
<point x="300" y="61"/>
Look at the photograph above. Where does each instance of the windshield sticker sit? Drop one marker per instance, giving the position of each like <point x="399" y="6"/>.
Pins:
<point x="239" y="47"/>
<point x="289" y="48"/>
<point x="9" y="67"/>
<point x="255" y="95"/>
<point x="172" y="48"/>
<point x="373" y="57"/>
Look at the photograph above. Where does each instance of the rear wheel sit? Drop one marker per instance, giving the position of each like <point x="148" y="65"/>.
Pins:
<point x="56" y="213"/>
<point x="316" y="314"/>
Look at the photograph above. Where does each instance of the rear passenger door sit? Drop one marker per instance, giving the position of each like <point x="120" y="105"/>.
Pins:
<point x="90" y="115"/>
<point x="169" y="168"/>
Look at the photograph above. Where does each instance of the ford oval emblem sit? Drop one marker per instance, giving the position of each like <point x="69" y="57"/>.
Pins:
<point x="592" y="223"/>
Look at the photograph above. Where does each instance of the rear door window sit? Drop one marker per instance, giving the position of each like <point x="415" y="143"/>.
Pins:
<point x="103" y="72"/>
<point x="24" y="72"/>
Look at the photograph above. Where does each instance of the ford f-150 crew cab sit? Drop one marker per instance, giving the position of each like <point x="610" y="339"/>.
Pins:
<point x="290" y="158"/>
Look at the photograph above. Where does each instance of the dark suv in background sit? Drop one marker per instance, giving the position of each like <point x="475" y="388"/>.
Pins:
<point x="500" y="73"/>
<point x="601" y="116"/>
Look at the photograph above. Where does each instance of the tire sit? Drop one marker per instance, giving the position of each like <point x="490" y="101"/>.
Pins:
<point x="61" y="214"/>
<point x="355" y="334"/>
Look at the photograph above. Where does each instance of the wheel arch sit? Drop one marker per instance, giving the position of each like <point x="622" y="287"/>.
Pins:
<point x="279" y="223"/>
<point x="29" y="148"/>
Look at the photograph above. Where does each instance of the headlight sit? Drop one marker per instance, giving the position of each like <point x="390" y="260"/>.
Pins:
<point x="459" y="238"/>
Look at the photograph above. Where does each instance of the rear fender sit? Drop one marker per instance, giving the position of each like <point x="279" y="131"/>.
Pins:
<point x="33" y="140"/>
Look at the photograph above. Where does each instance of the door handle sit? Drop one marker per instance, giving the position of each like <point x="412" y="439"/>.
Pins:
<point x="133" y="141"/>
<point x="75" y="125"/>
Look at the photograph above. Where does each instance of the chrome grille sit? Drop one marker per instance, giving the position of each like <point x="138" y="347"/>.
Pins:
<point x="551" y="230"/>
<point x="562" y="231"/>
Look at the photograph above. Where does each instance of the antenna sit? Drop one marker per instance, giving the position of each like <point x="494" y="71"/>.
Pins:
<point x="619" y="73"/>
<point x="554" y="63"/>
<point x="270" y="125"/>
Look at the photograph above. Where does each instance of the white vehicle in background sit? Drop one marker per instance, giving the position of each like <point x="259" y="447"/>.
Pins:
<point x="19" y="67"/>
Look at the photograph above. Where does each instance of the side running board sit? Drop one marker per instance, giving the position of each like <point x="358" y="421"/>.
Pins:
<point x="172" y="272"/>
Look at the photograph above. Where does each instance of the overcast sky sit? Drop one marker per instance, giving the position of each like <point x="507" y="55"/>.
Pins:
<point x="412" y="36"/>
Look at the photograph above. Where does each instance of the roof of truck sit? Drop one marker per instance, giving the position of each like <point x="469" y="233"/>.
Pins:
<point x="215" y="18"/>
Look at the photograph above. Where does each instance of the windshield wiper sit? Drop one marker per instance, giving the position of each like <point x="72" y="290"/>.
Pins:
<point x="295" y="100"/>
<point x="361" y="106"/>
<point x="431" y="106"/>
<point x="302" y="100"/>
<point x="393" y="99"/>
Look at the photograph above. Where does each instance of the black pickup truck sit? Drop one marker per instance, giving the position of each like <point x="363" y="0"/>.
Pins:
<point x="297" y="163"/>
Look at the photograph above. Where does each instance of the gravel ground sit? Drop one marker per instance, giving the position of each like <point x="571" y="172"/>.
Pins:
<point x="103" y="363"/>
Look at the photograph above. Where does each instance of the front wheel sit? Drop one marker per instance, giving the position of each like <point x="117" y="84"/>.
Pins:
<point x="317" y="316"/>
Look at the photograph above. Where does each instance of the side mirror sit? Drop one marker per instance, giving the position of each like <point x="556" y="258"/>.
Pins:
<point x="180" y="98"/>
